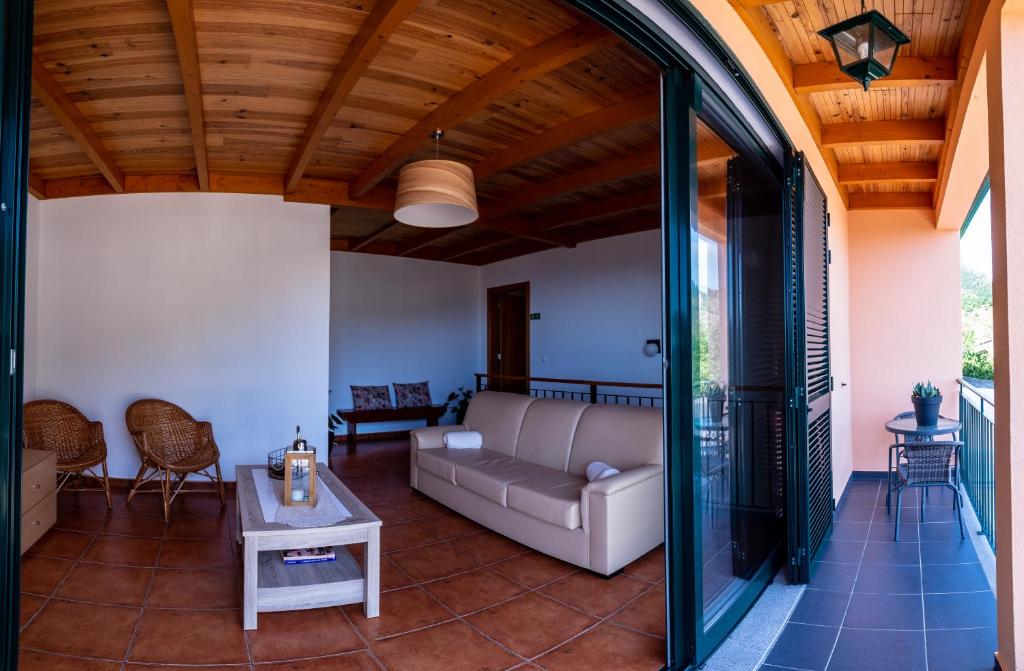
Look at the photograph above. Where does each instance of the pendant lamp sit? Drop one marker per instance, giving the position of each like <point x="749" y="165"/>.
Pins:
<point x="865" y="45"/>
<point x="436" y="193"/>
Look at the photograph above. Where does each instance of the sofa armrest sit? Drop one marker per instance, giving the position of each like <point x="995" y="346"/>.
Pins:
<point x="624" y="480"/>
<point x="425" y="439"/>
<point x="624" y="516"/>
<point x="431" y="436"/>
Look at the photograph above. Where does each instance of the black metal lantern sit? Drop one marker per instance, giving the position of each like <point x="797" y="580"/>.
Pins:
<point x="866" y="45"/>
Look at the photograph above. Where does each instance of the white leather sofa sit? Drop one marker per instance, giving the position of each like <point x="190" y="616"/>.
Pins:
<point x="528" y="482"/>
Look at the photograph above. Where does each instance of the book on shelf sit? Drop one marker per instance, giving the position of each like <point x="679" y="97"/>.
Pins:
<point x="308" y="555"/>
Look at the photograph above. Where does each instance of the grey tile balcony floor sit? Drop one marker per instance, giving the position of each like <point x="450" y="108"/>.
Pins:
<point x="922" y="604"/>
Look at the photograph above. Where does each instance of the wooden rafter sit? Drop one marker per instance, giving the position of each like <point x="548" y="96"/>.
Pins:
<point x="900" y="171"/>
<point x="184" y="27"/>
<point x="528" y="65"/>
<point x="607" y="172"/>
<point x="908" y="71"/>
<point x="920" y="131"/>
<point x="373" y="237"/>
<point x="571" y="132"/>
<point x="386" y="17"/>
<point x="968" y="63"/>
<point x="751" y="14"/>
<point x="472" y="247"/>
<point x="596" y="209"/>
<point x="49" y="92"/>
<point x="36" y="186"/>
<point x="891" y="200"/>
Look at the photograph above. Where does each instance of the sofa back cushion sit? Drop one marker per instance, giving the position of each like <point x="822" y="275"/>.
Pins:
<point x="499" y="417"/>
<point x="620" y="435"/>
<point x="548" y="428"/>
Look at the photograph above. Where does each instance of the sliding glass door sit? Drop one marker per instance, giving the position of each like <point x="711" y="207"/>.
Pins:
<point x="727" y="381"/>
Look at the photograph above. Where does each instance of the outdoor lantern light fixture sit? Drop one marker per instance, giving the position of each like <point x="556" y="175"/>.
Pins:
<point x="436" y="193"/>
<point x="865" y="45"/>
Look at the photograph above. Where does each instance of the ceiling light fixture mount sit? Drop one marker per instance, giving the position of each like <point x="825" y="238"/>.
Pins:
<point x="866" y="45"/>
<point x="435" y="193"/>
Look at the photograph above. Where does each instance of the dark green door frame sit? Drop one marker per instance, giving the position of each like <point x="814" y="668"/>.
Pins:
<point x="15" y="95"/>
<point x="684" y="82"/>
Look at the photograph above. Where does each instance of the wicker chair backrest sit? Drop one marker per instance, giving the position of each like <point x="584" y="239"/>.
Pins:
<point x="58" y="427"/>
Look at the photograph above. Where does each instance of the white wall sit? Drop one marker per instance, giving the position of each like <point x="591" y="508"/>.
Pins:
<point x="216" y="302"/>
<point x="402" y="320"/>
<point x="31" y="299"/>
<point x="599" y="303"/>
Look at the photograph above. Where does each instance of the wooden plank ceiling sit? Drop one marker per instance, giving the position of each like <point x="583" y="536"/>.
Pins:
<point x="885" y="147"/>
<point x="324" y="100"/>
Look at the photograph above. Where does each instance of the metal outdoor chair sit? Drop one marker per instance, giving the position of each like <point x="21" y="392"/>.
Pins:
<point x="895" y="455"/>
<point x="929" y="464"/>
<point x="172" y="446"/>
<point x="59" y="427"/>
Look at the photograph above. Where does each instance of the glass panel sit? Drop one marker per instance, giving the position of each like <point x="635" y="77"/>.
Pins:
<point x="852" y="44"/>
<point x="885" y="49"/>
<point x="738" y="374"/>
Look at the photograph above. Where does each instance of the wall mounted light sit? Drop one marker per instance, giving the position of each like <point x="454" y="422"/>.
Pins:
<point x="866" y="45"/>
<point x="652" y="348"/>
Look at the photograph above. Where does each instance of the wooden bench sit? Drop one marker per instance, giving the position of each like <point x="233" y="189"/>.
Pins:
<point x="431" y="413"/>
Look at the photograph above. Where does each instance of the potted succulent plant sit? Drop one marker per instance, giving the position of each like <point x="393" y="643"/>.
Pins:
<point x="927" y="398"/>
<point x="714" y="395"/>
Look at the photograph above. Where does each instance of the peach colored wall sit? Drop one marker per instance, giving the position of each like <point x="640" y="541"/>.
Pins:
<point x="904" y="321"/>
<point x="731" y="29"/>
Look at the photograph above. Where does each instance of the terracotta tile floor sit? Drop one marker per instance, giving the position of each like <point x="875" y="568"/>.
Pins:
<point x="121" y="590"/>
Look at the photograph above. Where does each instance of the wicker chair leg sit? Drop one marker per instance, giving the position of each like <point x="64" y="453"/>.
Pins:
<point x="899" y="507"/>
<point x="106" y="485"/>
<point x="220" y="484"/>
<point x="137" y="483"/>
<point x="166" y="491"/>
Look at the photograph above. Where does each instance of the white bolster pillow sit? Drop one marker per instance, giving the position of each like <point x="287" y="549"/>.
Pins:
<point x="463" y="440"/>
<point x="598" y="470"/>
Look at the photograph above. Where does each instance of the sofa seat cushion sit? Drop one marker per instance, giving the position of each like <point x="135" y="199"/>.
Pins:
<point x="490" y="474"/>
<point x="553" y="497"/>
<point x="435" y="461"/>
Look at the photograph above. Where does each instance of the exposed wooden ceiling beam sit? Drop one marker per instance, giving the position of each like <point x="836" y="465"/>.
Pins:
<point x="764" y="33"/>
<point x="345" y="245"/>
<point x="569" y="46"/>
<point x="183" y="25"/>
<point x="571" y="132"/>
<point x="608" y="171"/>
<point x="919" y="131"/>
<point x="891" y="200"/>
<point x="374" y="33"/>
<point x="969" y="58"/>
<point x="49" y="92"/>
<point x="335" y="192"/>
<point x="519" y="227"/>
<point x="900" y="171"/>
<point x="754" y="4"/>
<point x="616" y="227"/>
<point x="510" y="250"/>
<point x="472" y="247"/>
<point x="372" y="237"/>
<point x="36" y="186"/>
<point x="908" y="71"/>
<point x="598" y="208"/>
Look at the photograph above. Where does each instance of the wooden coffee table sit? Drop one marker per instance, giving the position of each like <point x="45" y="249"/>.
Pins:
<point x="272" y="586"/>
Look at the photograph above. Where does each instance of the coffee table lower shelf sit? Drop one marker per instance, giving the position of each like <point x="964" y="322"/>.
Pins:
<point x="300" y="586"/>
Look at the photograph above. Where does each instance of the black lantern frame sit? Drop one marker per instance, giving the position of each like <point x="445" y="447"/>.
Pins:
<point x="865" y="46"/>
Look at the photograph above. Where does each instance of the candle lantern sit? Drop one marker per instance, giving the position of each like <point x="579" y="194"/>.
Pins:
<point x="299" y="474"/>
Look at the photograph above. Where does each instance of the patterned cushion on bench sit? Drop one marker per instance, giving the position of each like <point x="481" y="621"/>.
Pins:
<point x="412" y="395"/>
<point x="371" y="398"/>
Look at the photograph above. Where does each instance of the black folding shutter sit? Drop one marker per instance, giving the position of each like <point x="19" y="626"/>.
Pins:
<point x="811" y="503"/>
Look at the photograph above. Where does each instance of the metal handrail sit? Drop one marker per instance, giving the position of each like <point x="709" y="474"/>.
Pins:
<point x="978" y="456"/>
<point x="593" y="393"/>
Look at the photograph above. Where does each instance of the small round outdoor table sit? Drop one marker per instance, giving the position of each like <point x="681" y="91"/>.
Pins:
<point x="909" y="429"/>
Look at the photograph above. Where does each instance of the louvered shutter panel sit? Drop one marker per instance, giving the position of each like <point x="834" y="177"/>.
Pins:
<point x="811" y="502"/>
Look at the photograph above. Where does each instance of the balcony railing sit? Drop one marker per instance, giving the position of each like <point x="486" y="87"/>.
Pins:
<point x="644" y="394"/>
<point x="977" y="414"/>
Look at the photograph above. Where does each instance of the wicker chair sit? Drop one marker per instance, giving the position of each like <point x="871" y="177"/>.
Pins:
<point x="78" y="442"/>
<point x="929" y="464"/>
<point x="172" y="445"/>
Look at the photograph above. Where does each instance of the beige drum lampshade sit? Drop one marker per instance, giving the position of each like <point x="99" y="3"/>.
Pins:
<point x="436" y="194"/>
